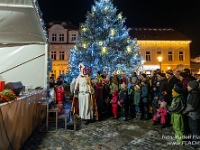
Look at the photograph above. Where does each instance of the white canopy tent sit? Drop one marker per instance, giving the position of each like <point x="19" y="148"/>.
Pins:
<point x="23" y="43"/>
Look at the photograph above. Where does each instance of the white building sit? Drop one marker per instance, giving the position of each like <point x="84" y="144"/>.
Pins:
<point x="62" y="36"/>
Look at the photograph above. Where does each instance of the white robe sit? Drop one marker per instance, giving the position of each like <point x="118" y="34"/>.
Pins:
<point x="84" y="98"/>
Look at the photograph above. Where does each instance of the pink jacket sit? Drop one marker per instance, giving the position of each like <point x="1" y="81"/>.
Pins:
<point x="161" y="115"/>
<point x="115" y="99"/>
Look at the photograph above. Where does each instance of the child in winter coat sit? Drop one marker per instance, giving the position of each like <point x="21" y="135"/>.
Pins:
<point x="161" y="114"/>
<point x="59" y="95"/>
<point x="123" y="101"/>
<point x="137" y="101"/>
<point x="114" y="104"/>
<point x="175" y="109"/>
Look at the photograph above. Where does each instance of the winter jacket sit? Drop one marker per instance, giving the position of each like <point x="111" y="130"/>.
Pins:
<point x="123" y="96"/>
<point x="185" y="82"/>
<point x="137" y="97"/>
<point x="59" y="94"/>
<point x="170" y="84"/>
<point x="193" y="104"/>
<point x="162" y="86"/>
<point x="115" y="99"/>
<point x="145" y="93"/>
<point x="176" y="105"/>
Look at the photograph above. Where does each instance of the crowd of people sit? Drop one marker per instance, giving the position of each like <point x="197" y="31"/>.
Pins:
<point x="166" y="98"/>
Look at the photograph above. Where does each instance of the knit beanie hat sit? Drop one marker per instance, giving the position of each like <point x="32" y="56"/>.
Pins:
<point x="193" y="84"/>
<point x="163" y="104"/>
<point x="178" y="87"/>
<point x="183" y="74"/>
<point x="144" y="75"/>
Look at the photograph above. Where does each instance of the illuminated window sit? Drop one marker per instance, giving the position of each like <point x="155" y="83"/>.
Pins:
<point x="62" y="55"/>
<point x="181" y="56"/>
<point x="61" y="37"/>
<point x="148" y="56"/>
<point x="61" y="72"/>
<point x="53" y="55"/>
<point x="170" y="56"/>
<point x="54" y="37"/>
<point x="73" y="37"/>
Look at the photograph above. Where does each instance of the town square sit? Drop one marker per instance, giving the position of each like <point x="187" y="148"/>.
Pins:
<point x="99" y="75"/>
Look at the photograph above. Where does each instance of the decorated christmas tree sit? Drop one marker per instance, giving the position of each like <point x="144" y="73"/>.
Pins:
<point x="104" y="43"/>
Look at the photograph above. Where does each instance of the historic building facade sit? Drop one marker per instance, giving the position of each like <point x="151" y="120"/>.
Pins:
<point x="62" y="36"/>
<point x="170" y="46"/>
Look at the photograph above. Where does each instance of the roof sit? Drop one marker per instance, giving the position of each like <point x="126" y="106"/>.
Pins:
<point x="21" y="22"/>
<point x="156" y="34"/>
<point x="66" y="24"/>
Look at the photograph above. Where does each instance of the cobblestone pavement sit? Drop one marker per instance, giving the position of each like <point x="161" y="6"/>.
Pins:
<point x="108" y="134"/>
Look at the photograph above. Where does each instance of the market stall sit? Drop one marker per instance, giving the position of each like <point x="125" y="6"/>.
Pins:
<point x="23" y="57"/>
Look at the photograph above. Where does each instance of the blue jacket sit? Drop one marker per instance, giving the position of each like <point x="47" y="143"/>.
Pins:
<point x="145" y="93"/>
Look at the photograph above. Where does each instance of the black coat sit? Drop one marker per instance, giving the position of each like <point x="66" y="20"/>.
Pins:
<point x="193" y="104"/>
<point x="170" y="84"/>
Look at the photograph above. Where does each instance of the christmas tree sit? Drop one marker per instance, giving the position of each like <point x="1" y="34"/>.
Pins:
<point x="104" y="43"/>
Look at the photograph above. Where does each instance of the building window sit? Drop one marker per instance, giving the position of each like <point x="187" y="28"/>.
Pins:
<point x="61" y="37"/>
<point x="62" y="55"/>
<point x="170" y="56"/>
<point x="53" y="55"/>
<point x="73" y="37"/>
<point x="159" y="53"/>
<point x="61" y="72"/>
<point x="54" y="72"/>
<point x="180" y="56"/>
<point x="148" y="56"/>
<point x="54" y="37"/>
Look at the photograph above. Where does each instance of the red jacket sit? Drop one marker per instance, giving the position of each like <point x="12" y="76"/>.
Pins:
<point x="115" y="99"/>
<point x="59" y="94"/>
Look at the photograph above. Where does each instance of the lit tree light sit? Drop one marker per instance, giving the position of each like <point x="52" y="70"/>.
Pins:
<point x="128" y="49"/>
<point x="104" y="50"/>
<point x="120" y="16"/>
<point x="100" y="43"/>
<point x="112" y="32"/>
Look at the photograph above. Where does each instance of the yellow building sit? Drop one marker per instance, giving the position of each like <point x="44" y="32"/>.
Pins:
<point x="62" y="36"/>
<point x="170" y="45"/>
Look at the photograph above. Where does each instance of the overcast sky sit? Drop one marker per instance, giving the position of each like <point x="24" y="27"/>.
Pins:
<point x="182" y="15"/>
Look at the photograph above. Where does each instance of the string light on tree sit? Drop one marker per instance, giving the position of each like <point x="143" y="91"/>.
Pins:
<point x="100" y="43"/>
<point x="112" y="32"/>
<point x="128" y="49"/>
<point x="104" y="50"/>
<point x="120" y="16"/>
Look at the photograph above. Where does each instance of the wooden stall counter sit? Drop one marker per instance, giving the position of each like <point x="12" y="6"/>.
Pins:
<point x="19" y="118"/>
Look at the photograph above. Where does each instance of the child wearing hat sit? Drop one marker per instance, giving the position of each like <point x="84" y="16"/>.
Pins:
<point x="123" y="101"/>
<point x="161" y="114"/>
<point x="176" y="108"/>
<point x="192" y="110"/>
<point x="137" y="101"/>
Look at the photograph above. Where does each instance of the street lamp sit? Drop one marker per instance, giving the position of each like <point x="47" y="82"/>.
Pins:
<point x="160" y="60"/>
